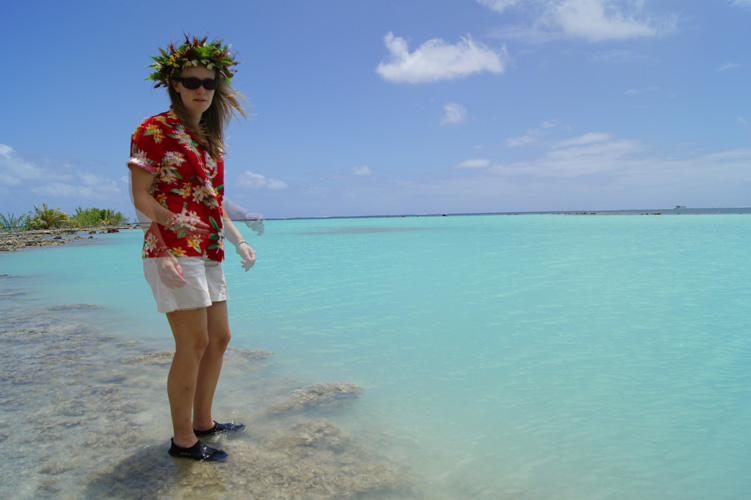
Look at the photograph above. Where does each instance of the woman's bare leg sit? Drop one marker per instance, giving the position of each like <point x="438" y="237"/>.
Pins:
<point x="211" y="365"/>
<point x="189" y="327"/>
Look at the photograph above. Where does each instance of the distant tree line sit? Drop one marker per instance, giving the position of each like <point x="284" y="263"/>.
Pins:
<point x="47" y="218"/>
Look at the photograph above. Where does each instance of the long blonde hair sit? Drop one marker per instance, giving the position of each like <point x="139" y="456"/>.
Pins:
<point x="227" y="103"/>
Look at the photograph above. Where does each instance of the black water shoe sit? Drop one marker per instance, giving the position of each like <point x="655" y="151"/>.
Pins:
<point x="198" y="451"/>
<point x="220" y="429"/>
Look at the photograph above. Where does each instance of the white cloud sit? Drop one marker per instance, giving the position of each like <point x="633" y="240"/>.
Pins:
<point x="474" y="163"/>
<point x="585" y="155"/>
<point x="79" y="185"/>
<point x="596" y="170"/>
<point x="455" y="114"/>
<point x="14" y="169"/>
<point x="728" y="65"/>
<point x="742" y="3"/>
<point x="252" y="180"/>
<point x="499" y="6"/>
<point x="592" y="20"/>
<point x="85" y="186"/>
<point x="641" y="91"/>
<point x="533" y="35"/>
<point x="436" y="60"/>
<point x="530" y="137"/>
<point x="65" y="181"/>
<point x="363" y="170"/>
<point x="613" y="174"/>
<point x="620" y="56"/>
<point x="588" y="138"/>
<point x="744" y="123"/>
<point x="596" y="20"/>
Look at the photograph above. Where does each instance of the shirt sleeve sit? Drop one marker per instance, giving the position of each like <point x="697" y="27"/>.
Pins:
<point x="147" y="146"/>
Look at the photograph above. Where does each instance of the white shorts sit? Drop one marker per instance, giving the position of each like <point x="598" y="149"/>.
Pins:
<point x="205" y="284"/>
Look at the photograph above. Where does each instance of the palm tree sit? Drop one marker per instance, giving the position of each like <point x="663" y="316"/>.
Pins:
<point x="11" y="222"/>
<point x="46" y="217"/>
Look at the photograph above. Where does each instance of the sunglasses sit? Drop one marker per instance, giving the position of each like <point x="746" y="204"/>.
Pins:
<point x="193" y="83"/>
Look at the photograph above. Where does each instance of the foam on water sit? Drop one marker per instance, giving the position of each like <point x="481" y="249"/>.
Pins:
<point x="535" y="357"/>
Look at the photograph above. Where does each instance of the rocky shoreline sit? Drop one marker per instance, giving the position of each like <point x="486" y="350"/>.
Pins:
<point x="18" y="240"/>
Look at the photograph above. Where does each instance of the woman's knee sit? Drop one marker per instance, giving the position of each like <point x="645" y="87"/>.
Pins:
<point x="220" y="339"/>
<point x="189" y="328"/>
<point x="218" y="326"/>
<point x="194" y="345"/>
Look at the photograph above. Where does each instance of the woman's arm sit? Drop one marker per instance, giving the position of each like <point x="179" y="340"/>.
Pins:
<point x="140" y="185"/>
<point x="147" y="207"/>
<point x="242" y="247"/>
<point x="141" y="182"/>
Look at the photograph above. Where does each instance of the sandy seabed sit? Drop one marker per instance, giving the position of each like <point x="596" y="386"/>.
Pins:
<point x="84" y="414"/>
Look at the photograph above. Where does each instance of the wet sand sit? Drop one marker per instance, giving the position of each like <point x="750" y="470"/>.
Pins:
<point x="84" y="414"/>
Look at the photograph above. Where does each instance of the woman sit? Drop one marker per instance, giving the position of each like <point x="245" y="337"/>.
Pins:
<point x="177" y="177"/>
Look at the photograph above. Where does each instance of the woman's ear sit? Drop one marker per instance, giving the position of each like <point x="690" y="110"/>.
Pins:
<point x="174" y="85"/>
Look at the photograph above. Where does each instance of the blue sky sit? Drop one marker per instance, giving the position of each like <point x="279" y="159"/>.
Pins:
<point x="364" y="107"/>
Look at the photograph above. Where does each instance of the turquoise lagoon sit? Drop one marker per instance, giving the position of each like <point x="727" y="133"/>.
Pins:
<point x="521" y="357"/>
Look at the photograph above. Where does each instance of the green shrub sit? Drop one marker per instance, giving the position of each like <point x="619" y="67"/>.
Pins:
<point x="10" y="222"/>
<point x="46" y="218"/>
<point x="92" y="217"/>
<point x="112" y="218"/>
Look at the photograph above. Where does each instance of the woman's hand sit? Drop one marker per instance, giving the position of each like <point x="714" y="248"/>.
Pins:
<point x="187" y="226"/>
<point x="257" y="225"/>
<point x="170" y="272"/>
<point x="247" y="254"/>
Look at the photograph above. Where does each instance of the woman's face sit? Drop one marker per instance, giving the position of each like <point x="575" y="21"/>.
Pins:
<point x="196" y="101"/>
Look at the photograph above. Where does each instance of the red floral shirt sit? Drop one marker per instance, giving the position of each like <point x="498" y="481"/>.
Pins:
<point x="188" y="182"/>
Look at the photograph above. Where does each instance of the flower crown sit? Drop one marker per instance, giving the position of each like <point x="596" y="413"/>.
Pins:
<point x="193" y="52"/>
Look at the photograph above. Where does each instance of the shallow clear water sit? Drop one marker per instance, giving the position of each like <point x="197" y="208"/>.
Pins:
<point x="527" y="357"/>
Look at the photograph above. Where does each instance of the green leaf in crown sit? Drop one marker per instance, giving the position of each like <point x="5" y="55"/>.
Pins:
<point x="195" y="51"/>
